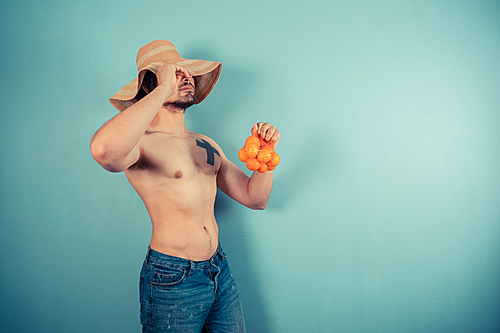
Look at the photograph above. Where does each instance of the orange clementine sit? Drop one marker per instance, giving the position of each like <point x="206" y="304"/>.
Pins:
<point x="264" y="155"/>
<point x="253" y="164"/>
<point x="263" y="168"/>
<point x="275" y="160"/>
<point x="270" y="168"/>
<point x="242" y="154"/>
<point x="252" y="140"/>
<point x="252" y="149"/>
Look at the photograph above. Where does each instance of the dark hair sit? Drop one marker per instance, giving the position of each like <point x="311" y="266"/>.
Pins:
<point x="150" y="81"/>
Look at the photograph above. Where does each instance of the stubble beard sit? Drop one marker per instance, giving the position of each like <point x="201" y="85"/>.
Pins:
<point x="182" y="103"/>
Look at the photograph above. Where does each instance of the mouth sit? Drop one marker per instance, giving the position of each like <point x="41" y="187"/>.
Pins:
<point x="187" y="87"/>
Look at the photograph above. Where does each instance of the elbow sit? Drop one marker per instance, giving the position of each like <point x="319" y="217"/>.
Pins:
<point x="101" y="156"/>
<point x="98" y="152"/>
<point x="259" y="206"/>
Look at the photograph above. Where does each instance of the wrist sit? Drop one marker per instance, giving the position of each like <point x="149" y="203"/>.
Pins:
<point x="163" y="91"/>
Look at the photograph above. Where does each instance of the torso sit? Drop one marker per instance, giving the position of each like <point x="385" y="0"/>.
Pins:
<point x="177" y="180"/>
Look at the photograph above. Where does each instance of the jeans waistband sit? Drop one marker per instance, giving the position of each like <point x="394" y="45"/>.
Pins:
<point x="155" y="257"/>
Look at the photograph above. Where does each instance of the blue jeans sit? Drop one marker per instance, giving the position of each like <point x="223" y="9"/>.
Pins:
<point x="180" y="295"/>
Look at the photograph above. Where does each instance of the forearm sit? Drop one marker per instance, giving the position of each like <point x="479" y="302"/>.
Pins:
<point x="116" y="139"/>
<point x="259" y="189"/>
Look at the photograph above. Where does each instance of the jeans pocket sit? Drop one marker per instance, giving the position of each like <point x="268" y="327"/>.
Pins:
<point x="167" y="277"/>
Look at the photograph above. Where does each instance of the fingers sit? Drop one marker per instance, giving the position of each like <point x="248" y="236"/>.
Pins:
<point x="179" y="70"/>
<point x="171" y="73"/>
<point x="183" y="71"/>
<point x="268" y="132"/>
<point x="255" y="129"/>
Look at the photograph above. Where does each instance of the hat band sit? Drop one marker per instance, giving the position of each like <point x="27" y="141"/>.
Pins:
<point x="204" y="65"/>
<point x="154" y="52"/>
<point x="155" y="65"/>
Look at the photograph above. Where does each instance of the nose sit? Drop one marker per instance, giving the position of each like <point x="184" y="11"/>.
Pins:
<point x="189" y="80"/>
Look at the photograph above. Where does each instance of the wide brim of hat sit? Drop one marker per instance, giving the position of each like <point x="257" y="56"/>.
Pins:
<point x="206" y="72"/>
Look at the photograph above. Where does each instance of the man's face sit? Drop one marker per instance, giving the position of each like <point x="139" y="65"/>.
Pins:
<point x="184" y="96"/>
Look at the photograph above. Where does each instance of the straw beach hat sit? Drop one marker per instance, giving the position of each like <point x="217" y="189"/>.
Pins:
<point x="160" y="52"/>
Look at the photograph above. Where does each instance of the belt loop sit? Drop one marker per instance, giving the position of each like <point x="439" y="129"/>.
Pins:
<point x="220" y="252"/>
<point x="190" y="268"/>
<point x="147" y="255"/>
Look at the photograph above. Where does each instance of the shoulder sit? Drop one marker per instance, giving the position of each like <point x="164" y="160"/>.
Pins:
<point x="204" y="138"/>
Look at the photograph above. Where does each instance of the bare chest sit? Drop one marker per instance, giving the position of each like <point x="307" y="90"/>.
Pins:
<point x="177" y="158"/>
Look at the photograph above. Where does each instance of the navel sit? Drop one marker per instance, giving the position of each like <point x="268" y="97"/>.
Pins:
<point x="178" y="175"/>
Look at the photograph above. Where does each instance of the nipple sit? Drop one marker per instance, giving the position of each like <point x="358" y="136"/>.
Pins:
<point x="178" y="175"/>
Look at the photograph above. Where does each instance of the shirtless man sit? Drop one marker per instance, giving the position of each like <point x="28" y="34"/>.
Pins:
<point x="186" y="284"/>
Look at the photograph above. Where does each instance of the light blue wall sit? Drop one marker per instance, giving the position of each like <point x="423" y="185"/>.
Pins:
<point x="384" y="215"/>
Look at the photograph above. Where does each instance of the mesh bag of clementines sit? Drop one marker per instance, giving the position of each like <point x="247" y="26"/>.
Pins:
<point x="258" y="155"/>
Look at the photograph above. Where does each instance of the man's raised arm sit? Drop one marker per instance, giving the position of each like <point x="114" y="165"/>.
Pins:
<point x="114" y="145"/>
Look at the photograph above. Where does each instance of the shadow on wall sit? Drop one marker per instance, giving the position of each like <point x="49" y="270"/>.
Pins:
<point x="235" y="243"/>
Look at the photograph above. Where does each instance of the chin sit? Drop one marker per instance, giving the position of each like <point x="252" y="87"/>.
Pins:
<point x="182" y="103"/>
